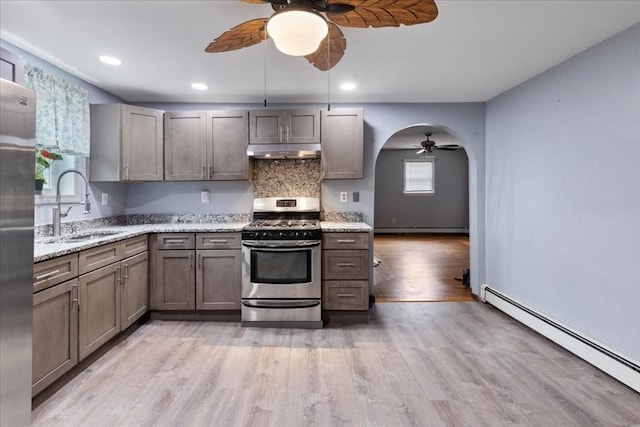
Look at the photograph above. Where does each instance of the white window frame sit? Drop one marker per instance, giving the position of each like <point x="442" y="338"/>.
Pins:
<point x="422" y="191"/>
<point x="72" y="186"/>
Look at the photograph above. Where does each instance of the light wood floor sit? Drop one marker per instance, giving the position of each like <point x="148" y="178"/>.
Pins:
<point x="414" y="364"/>
<point x="420" y="267"/>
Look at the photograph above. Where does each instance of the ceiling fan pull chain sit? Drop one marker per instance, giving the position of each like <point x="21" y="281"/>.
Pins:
<point x="264" y="57"/>
<point x="329" y="72"/>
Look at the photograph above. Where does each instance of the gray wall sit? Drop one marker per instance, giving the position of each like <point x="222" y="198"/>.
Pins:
<point x="448" y="208"/>
<point x="563" y="192"/>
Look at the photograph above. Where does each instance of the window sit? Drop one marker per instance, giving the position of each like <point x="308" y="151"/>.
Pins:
<point x="419" y="176"/>
<point x="71" y="186"/>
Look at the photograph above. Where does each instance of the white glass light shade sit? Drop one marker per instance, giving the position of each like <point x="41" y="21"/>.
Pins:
<point x="297" y="32"/>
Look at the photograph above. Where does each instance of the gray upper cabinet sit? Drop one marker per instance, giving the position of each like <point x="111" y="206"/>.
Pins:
<point x="206" y="145"/>
<point x="185" y="146"/>
<point x="301" y="126"/>
<point x="342" y="144"/>
<point x="11" y="66"/>
<point x="127" y="143"/>
<point x="227" y="138"/>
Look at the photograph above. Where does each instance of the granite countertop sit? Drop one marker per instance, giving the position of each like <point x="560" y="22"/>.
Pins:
<point x="50" y="247"/>
<point x="345" y="227"/>
<point x="47" y="248"/>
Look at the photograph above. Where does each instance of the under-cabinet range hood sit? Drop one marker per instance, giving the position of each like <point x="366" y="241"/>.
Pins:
<point x="284" y="151"/>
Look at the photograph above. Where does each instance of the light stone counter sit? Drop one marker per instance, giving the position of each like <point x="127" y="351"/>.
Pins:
<point x="345" y="227"/>
<point x="47" y="248"/>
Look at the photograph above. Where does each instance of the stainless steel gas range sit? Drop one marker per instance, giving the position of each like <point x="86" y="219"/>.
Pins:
<point x="281" y="264"/>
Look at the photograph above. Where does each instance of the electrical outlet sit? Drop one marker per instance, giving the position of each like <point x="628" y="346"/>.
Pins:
<point x="105" y="199"/>
<point x="344" y="196"/>
<point x="356" y="196"/>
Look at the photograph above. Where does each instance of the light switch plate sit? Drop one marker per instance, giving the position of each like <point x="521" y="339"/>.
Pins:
<point x="105" y="199"/>
<point x="356" y="196"/>
<point x="344" y="196"/>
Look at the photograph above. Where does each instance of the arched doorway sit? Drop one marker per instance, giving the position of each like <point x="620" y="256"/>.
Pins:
<point x="421" y="213"/>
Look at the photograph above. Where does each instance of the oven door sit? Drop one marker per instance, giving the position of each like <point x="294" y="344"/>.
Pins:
<point x="281" y="269"/>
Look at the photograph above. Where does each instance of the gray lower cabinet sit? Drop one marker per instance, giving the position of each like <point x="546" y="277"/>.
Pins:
<point x="218" y="280"/>
<point x="127" y="143"/>
<point x="134" y="301"/>
<point x="55" y="333"/>
<point x="206" y="145"/>
<point x="346" y="271"/>
<point x="112" y="296"/>
<point x="173" y="280"/>
<point x="196" y="271"/>
<point x="342" y="143"/>
<point x="99" y="295"/>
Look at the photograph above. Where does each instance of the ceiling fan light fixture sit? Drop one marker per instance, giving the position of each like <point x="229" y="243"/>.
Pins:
<point x="297" y="32"/>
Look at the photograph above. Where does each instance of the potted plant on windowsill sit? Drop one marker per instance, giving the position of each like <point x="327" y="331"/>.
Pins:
<point x="44" y="158"/>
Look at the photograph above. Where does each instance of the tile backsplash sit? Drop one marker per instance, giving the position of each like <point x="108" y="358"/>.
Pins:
<point x="286" y="178"/>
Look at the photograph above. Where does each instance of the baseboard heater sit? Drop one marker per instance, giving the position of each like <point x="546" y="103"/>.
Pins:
<point x="618" y="366"/>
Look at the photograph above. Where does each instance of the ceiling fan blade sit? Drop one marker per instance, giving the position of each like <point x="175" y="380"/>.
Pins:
<point x="450" y="147"/>
<point x="383" y="13"/>
<point x="424" y="150"/>
<point x="244" y="35"/>
<point x="256" y="1"/>
<point x="330" y="51"/>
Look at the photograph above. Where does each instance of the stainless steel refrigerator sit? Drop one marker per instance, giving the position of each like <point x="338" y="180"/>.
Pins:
<point x="17" y="138"/>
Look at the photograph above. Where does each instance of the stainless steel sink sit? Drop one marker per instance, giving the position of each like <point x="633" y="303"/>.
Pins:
<point x="84" y="237"/>
<point x="77" y="238"/>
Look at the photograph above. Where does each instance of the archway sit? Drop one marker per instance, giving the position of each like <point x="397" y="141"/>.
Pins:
<point x="421" y="234"/>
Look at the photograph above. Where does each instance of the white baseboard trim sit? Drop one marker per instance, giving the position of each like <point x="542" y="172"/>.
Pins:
<point x="622" y="368"/>
<point x="417" y="230"/>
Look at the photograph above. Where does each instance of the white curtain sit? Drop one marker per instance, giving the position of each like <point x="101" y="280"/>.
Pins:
<point x="62" y="121"/>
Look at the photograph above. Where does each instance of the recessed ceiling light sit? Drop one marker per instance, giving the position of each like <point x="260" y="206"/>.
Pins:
<point x="348" y="86"/>
<point x="110" y="60"/>
<point x="199" y="86"/>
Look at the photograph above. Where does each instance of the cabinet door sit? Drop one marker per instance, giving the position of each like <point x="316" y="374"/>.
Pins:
<point x="55" y="333"/>
<point x="142" y="144"/>
<point x="134" y="297"/>
<point x="342" y="144"/>
<point x="99" y="295"/>
<point x="218" y="280"/>
<point x="227" y="139"/>
<point x="302" y="126"/>
<point x="173" y="283"/>
<point x="266" y="127"/>
<point x="185" y="146"/>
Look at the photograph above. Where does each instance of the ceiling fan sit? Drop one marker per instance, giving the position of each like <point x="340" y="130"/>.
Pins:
<point x="428" y="145"/>
<point x="323" y="17"/>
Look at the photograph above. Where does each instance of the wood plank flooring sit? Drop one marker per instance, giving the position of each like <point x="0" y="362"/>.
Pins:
<point x="420" y="267"/>
<point x="414" y="364"/>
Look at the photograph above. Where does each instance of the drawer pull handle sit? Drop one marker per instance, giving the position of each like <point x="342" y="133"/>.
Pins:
<point x="215" y="242"/>
<point x="174" y="241"/>
<point x="346" y="264"/>
<point x="47" y="275"/>
<point x="346" y="295"/>
<point x="346" y="241"/>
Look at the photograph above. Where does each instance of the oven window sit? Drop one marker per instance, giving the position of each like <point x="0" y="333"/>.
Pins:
<point x="280" y="267"/>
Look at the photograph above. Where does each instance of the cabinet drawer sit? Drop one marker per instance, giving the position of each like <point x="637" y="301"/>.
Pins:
<point x="134" y="246"/>
<point x="345" y="265"/>
<point x="345" y="240"/>
<point x="345" y="295"/>
<point x="218" y="240"/>
<point x="94" y="258"/>
<point x="174" y="241"/>
<point x="54" y="271"/>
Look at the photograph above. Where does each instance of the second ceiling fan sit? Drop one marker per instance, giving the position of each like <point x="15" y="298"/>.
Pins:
<point x="326" y="15"/>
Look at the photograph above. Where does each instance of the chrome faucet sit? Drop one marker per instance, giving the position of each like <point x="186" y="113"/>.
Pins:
<point x="57" y="214"/>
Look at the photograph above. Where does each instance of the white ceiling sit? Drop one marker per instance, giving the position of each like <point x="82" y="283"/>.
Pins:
<point x="473" y="51"/>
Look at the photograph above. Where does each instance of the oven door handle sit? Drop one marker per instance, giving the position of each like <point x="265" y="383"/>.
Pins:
<point x="281" y="303"/>
<point x="276" y="245"/>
